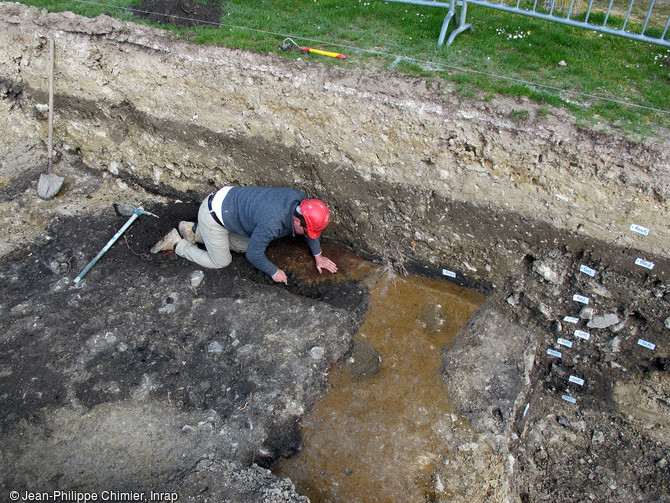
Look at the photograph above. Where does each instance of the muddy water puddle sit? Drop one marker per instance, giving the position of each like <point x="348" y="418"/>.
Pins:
<point x="378" y="434"/>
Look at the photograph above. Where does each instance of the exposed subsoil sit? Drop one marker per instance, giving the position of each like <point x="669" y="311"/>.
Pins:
<point x="138" y="380"/>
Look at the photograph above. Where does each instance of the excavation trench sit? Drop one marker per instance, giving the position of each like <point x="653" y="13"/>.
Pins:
<point x="148" y="365"/>
<point x="498" y="330"/>
<point x="379" y="432"/>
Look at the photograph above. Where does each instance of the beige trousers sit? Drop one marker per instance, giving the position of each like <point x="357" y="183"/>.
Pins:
<point x="218" y="242"/>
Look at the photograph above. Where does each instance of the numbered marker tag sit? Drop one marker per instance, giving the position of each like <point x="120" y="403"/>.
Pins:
<point x="566" y="343"/>
<point x="555" y="353"/>
<point x="581" y="299"/>
<point x="587" y="270"/>
<point x="646" y="344"/>
<point x="571" y="319"/>
<point x="576" y="380"/>
<point x="582" y="335"/>
<point x="644" y="263"/>
<point x="449" y="274"/>
<point x="639" y="229"/>
<point x="568" y="398"/>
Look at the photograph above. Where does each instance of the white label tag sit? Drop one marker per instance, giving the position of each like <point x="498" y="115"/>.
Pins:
<point x="565" y="343"/>
<point x="555" y="353"/>
<point x="580" y="298"/>
<point x="582" y="335"/>
<point x="587" y="270"/>
<point x="448" y="273"/>
<point x="646" y="344"/>
<point x="569" y="399"/>
<point x="576" y="380"/>
<point x="571" y="319"/>
<point x="642" y="262"/>
<point x="525" y="411"/>
<point x="639" y="229"/>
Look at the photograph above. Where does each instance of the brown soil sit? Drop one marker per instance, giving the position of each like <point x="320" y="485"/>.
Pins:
<point x="180" y="13"/>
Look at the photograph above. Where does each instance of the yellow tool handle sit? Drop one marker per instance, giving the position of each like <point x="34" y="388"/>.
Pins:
<point x="324" y="53"/>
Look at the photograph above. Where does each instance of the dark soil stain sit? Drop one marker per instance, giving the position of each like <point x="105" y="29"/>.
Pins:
<point x="135" y="328"/>
<point x="181" y="12"/>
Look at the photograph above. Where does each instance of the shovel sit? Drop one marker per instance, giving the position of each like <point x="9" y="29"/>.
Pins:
<point x="122" y="209"/>
<point x="50" y="184"/>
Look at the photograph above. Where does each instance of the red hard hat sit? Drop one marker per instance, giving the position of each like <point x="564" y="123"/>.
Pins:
<point x="316" y="215"/>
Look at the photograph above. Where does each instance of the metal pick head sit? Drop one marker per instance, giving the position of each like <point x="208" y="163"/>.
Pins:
<point x="140" y="211"/>
<point x="127" y="210"/>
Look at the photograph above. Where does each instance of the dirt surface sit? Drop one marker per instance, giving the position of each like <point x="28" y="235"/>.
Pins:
<point x="140" y="379"/>
<point x="136" y="380"/>
<point x="124" y="381"/>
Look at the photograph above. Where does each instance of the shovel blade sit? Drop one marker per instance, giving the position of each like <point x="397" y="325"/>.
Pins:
<point x="49" y="185"/>
<point x="124" y="209"/>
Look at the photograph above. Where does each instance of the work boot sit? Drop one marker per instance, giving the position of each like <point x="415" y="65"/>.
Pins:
<point x="187" y="232"/>
<point x="168" y="242"/>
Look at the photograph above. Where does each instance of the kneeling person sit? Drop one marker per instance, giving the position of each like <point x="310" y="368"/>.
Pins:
<point x="246" y="220"/>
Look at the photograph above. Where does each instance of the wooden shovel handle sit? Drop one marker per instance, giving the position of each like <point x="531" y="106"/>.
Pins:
<point x="51" y="103"/>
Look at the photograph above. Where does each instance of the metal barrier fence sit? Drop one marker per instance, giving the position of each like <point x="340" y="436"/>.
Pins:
<point x="571" y="12"/>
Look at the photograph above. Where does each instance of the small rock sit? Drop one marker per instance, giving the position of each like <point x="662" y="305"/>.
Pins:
<point x="43" y="110"/>
<point x="598" y="437"/>
<point x="468" y="447"/>
<point x="113" y="387"/>
<point x="205" y="426"/>
<point x="99" y="341"/>
<point x="546" y="272"/>
<point x="513" y="300"/>
<point x="317" y="352"/>
<point x="602" y="291"/>
<point x="196" y="278"/>
<point x="21" y="308"/>
<point x="110" y="338"/>
<point x="214" y="347"/>
<point x="562" y="63"/>
<point x="603" y="321"/>
<point x="60" y="285"/>
<point x="615" y="344"/>
<point x="586" y="313"/>
<point x="667" y="322"/>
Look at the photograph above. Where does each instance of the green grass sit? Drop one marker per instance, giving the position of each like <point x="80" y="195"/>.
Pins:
<point x="599" y="78"/>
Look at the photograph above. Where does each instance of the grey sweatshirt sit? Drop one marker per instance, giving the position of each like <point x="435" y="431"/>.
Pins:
<point x="263" y="214"/>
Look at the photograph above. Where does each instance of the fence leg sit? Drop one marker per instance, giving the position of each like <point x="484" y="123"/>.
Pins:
<point x="446" y="22"/>
<point x="462" y="25"/>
